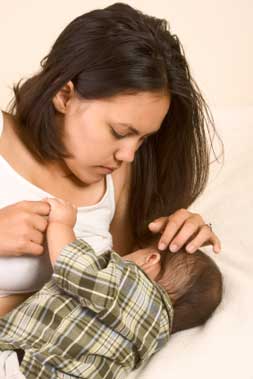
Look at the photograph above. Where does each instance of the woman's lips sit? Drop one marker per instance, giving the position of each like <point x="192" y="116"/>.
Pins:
<point x="106" y="169"/>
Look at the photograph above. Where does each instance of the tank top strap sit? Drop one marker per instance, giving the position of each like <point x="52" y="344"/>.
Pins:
<point x="1" y="122"/>
<point x="111" y="193"/>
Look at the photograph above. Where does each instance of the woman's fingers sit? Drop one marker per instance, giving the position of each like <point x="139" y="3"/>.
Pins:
<point x="176" y="225"/>
<point x="186" y="232"/>
<point x="28" y="247"/>
<point x="39" y="223"/>
<point x="168" y="226"/>
<point x="37" y="237"/>
<point x="184" y="227"/>
<point x="204" y="237"/>
<point x="38" y="207"/>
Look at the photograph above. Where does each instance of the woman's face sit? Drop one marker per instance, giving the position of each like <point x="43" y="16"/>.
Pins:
<point x="95" y="131"/>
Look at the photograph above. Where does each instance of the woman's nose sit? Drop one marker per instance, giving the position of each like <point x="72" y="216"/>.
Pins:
<point x="126" y="153"/>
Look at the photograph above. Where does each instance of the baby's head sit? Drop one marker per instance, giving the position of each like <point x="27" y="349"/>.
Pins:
<point x="193" y="282"/>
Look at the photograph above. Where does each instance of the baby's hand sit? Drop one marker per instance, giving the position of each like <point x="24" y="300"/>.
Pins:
<point x="61" y="211"/>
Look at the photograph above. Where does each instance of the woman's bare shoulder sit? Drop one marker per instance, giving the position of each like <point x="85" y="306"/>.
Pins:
<point x="7" y="134"/>
<point x="11" y="148"/>
<point x="9" y="120"/>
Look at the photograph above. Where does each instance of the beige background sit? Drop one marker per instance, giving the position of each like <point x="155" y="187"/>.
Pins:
<point x="217" y="38"/>
<point x="216" y="35"/>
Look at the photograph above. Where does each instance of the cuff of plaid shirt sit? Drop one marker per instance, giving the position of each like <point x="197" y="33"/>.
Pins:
<point x="92" y="280"/>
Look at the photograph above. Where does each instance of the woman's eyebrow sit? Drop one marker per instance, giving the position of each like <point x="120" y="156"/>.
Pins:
<point x="132" y="129"/>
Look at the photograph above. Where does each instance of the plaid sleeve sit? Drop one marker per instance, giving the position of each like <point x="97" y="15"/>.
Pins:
<point x="92" y="280"/>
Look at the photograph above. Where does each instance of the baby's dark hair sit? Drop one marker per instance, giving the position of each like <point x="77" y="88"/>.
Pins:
<point x="194" y="284"/>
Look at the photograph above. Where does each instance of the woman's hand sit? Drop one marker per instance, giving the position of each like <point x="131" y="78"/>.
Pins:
<point x="22" y="227"/>
<point x="184" y="227"/>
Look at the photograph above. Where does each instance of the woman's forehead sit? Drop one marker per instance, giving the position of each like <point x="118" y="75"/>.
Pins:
<point x="139" y="101"/>
<point x="142" y="99"/>
<point x="138" y="111"/>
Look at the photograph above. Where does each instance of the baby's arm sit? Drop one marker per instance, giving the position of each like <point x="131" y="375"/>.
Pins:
<point x="77" y="270"/>
<point x="62" y="218"/>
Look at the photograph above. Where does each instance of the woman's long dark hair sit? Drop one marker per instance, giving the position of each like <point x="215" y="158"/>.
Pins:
<point x="119" y="50"/>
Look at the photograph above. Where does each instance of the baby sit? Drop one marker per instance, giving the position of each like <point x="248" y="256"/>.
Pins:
<point x="103" y="316"/>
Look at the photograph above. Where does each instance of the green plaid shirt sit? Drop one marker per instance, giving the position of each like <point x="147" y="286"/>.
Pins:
<point x="98" y="317"/>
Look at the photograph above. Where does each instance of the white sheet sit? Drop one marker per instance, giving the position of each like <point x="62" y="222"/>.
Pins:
<point x="9" y="365"/>
<point x="222" y="348"/>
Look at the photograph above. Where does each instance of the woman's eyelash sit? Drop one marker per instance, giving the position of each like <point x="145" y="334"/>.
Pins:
<point x="120" y="136"/>
<point x="115" y="134"/>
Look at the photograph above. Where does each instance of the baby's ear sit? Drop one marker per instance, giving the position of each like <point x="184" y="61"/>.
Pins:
<point x="151" y="265"/>
<point x="152" y="258"/>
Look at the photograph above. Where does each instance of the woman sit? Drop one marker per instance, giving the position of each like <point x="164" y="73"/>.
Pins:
<point x="114" y="91"/>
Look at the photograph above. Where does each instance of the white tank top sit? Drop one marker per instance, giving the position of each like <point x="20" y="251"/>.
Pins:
<point x="29" y="273"/>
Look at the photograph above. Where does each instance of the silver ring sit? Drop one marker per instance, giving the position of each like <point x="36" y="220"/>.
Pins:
<point x="210" y="226"/>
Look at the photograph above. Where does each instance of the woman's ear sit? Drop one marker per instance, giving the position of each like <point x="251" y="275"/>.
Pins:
<point x="61" y="99"/>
